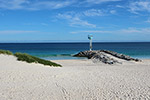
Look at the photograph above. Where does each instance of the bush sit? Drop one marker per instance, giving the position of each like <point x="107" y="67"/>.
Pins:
<point x="6" y="52"/>
<point x="32" y="59"/>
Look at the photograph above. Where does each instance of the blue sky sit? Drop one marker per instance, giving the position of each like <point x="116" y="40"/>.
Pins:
<point x="73" y="20"/>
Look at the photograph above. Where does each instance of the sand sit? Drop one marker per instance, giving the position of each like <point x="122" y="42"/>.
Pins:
<point x="76" y="80"/>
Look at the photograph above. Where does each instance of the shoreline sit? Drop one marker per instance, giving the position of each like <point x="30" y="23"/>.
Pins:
<point x="145" y="59"/>
<point x="87" y="58"/>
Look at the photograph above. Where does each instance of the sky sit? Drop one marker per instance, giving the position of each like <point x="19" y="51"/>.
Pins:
<point x="73" y="20"/>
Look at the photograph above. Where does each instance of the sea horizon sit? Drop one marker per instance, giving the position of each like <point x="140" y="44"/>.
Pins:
<point x="65" y="50"/>
<point x="82" y="42"/>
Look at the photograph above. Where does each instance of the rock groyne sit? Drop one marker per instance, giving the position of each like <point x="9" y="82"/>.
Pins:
<point x="105" y="56"/>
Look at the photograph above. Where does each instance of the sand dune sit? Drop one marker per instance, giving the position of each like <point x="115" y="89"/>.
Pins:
<point x="76" y="80"/>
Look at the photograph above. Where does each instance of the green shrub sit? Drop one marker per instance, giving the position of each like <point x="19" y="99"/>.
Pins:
<point x="31" y="59"/>
<point x="6" y="52"/>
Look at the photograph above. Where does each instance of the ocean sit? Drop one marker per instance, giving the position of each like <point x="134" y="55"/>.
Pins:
<point x="56" y="51"/>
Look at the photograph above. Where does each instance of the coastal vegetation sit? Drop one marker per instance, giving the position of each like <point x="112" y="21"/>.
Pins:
<point x="30" y="59"/>
<point x="6" y="52"/>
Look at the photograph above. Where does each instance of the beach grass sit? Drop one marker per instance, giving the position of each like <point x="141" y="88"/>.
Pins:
<point x="32" y="59"/>
<point x="6" y="52"/>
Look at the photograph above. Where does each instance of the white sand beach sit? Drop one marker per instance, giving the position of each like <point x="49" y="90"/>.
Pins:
<point x="76" y="80"/>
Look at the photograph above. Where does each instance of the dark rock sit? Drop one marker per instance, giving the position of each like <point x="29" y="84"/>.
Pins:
<point x="121" y="56"/>
<point x="104" y="58"/>
<point x="101" y="55"/>
<point x="88" y="54"/>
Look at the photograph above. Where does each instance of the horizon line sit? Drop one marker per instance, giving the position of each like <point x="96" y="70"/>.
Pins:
<point x="84" y="42"/>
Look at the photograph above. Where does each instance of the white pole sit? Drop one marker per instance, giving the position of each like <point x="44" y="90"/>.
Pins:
<point x="90" y="44"/>
<point x="90" y="38"/>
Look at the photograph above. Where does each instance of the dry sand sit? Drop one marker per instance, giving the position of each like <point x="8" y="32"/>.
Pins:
<point x="76" y="80"/>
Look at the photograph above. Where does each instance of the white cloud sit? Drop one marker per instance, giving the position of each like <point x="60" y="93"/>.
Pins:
<point x="120" y="6"/>
<point x="12" y="4"/>
<point x="131" y="30"/>
<point x="17" y="32"/>
<point x="78" y="22"/>
<point x="113" y="11"/>
<point x="121" y="31"/>
<point x="77" y="18"/>
<point x="47" y="4"/>
<point x="74" y="19"/>
<point x="34" y="24"/>
<point x="33" y="5"/>
<point x="137" y="6"/>
<point x="50" y="4"/>
<point x="100" y="1"/>
<point x="93" y="12"/>
<point x="90" y="31"/>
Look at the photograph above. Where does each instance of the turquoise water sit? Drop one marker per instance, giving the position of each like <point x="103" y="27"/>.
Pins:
<point x="51" y="51"/>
